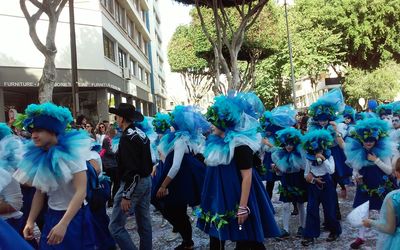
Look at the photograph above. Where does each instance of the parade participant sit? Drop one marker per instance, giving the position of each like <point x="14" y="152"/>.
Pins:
<point x="271" y="122"/>
<point x="290" y="165"/>
<point x="349" y="115"/>
<point x="134" y="168"/>
<point x="385" y="112"/>
<point x="109" y="162"/>
<point x="324" y="112"/>
<point x="55" y="163"/>
<point x="10" y="191"/>
<point x="388" y="224"/>
<point x="365" y="115"/>
<point x="369" y="152"/>
<point x="319" y="168"/>
<point x="182" y="176"/>
<point x="98" y="193"/>
<point x="147" y="127"/>
<point x="234" y="204"/>
<point x="395" y="132"/>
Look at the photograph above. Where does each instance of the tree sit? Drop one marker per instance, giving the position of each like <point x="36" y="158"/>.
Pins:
<point x="227" y="34"/>
<point x="381" y="84"/>
<point x="195" y="72"/>
<point x="368" y="29"/>
<point x="53" y="9"/>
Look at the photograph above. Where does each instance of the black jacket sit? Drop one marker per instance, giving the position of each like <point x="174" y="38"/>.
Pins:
<point x="108" y="158"/>
<point x="133" y="157"/>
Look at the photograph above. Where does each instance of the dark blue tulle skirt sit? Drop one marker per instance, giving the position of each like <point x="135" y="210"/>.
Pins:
<point x="80" y="233"/>
<point x="219" y="204"/>
<point x="373" y="177"/>
<point x="185" y="188"/>
<point x="10" y="239"/>
<point x="342" y="171"/>
<point x="104" y="240"/>
<point x="269" y="174"/>
<point x="293" y="187"/>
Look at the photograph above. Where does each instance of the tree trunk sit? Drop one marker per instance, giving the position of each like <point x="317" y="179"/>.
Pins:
<point x="48" y="79"/>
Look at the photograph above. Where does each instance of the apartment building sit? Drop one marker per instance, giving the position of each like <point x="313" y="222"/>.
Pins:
<point x="118" y="53"/>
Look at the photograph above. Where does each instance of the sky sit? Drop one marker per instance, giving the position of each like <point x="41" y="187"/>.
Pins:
<point x="172" y="14"/>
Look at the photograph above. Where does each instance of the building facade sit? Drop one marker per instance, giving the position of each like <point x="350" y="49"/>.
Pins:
<point x="118" y="53"/>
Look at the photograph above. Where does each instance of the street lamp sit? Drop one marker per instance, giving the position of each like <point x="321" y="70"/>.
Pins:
<point x="290" y="56"/>
<point x="74" y="64"/>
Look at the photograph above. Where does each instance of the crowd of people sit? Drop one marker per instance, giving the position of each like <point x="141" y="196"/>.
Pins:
<point x="57" y="176"/>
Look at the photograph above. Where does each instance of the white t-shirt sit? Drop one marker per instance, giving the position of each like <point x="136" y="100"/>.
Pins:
<point x="11" y="194"/>
<point x="60" y="198"/>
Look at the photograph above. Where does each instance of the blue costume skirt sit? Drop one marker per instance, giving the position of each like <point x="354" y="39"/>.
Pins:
<point x="219" y="204"/>
<point x="342" y="171"/>
<point x="293" y="187"/>
<point x="373" y="178"/>
<point x="80" y="233"/>
<point x="269" y="174"/>
<point x="156" y="179"/>
<point x="10" y="239"/>
<point x="104" y="240"/>
<point x="185" y="188"/>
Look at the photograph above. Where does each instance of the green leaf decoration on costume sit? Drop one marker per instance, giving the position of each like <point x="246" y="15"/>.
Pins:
<point x="18" y="123"/>
<point x="290" y="191"/>
<point x="218" y="220"/>
<point x="380" y="191"/>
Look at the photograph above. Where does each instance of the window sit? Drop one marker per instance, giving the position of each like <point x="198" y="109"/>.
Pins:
<point x="131" y="28"/>
<point x="147" y="78"/>
<point x="108" y="48"/>
<point x="132" y="67"/>
<point x="139" y="40"/>
<point x="108" y="4"/>
<point x="140" y="73"/>
<point x="122" y="58"/>
<point x="120" y="15"/>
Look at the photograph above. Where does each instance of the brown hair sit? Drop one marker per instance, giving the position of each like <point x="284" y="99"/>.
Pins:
<point x="111" y="131"/>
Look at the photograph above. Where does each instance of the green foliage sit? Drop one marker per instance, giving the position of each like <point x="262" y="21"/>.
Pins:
<point x="181" y="51"/>
<point x="380" y="84"/>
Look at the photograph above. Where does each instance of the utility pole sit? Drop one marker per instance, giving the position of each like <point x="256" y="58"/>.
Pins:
<point x="74" y="64"/>
<point x="291" y="57"/>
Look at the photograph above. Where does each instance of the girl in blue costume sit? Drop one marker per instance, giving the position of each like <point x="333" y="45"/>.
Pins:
<point x="369" y="152"/>
<point x="234" y="205"/>
<point x="10" y="191"/>
<point x="271" y="122"/>
<point x="9" y="239"/>
<point x="147" y="127"/>
<point x="162" y="126"/>
<point x="324" y="112"/>
<point x="320" y="166"/>
<point x="389" y="222"/>
<point x="182" y="177"/>
<point x="55" y="163"/>
<point x="290" y="165"/>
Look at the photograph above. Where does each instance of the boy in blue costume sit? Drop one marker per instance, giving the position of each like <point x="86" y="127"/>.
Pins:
<point x="55" y="163"/>
<point x="234" y="204"/>
<point x="289" y="164"/>
<point x="324" y="112"/>
<point x="319" y="168"/>
<point x="369" y="152"/>
<point x="182" y="176"/>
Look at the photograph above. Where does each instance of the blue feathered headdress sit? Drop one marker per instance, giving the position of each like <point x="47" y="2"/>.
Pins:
<point x="162" y="123"/>
<point x="4" y="130"/>
<point x="396" y="108"/>
<point x="189" y="118"/>
<point x="250" y="103"/>
<point x="365" y="115"/>
<point x="319" y="140"/>
<point x="349" y="112"/>
<point x="370" y="129"/>
<point x="288" y="136"/>
<point x="384" y="109"/>
<point x="372" y="104"/>
<point x="328" y="106"/>
<point x="147" y="126"/>
<point x="46" y="116"/>
<point x="279" y="118"/>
